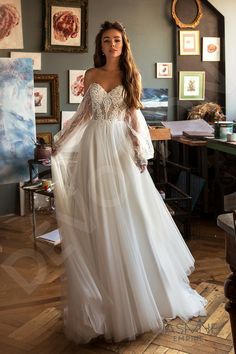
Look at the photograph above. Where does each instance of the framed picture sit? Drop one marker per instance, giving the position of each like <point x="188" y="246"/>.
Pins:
<point x="192" y="85"/>
<point x="155" y="105"/>
<point x="189" y="42"/>
<point x="45" y="138"/>
<point x="164" y="70"/>
<point x="36" y="57"/>
<point x="46" y="98"/>
<point x="11" y="35"/>
<point x="66" y="25"/>
<point x="65" y="116"/>
<point x="76" y="85"/>
<point x="211" y="49"/>
<point x="40" y="99"/>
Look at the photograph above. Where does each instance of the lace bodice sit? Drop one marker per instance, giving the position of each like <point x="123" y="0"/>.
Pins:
<point x="107" y="105"/>
<point x="102" y="106"/>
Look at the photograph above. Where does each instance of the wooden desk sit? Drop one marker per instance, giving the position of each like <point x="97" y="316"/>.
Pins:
<point x="189" y="142"/>
<point x="221" y="145"/>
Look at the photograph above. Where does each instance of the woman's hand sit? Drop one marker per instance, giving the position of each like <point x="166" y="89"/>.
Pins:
<point x="142" y="168"/>
<point x="141" y="164"/>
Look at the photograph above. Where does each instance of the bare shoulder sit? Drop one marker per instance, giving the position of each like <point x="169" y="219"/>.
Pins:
<point x="139" y="78"/>
<point x="89" y="77"/>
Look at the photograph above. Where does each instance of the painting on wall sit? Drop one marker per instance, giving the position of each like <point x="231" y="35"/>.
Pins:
<point x="40" y="99"/>
<point x="66" y="25"/>
<point x="11" y="35"/>
<point x="189" y="42"/>
<point x="211" y="49"/>
<point x="76" y="85"/>
<point x="46" y="98"/>
<point x="36" y="57"/>
<point x="17" y="119"/>
<point x="155" y="105"/>
<point x="164" y="70"/>
<point x="192" y="85"/>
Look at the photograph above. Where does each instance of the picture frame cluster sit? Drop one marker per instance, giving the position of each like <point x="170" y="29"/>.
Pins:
<point x="65" y="30"/>
<point x="192" y="83"/>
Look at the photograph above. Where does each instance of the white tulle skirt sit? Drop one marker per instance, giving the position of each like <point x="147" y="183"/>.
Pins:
<point x="127" y="265"/>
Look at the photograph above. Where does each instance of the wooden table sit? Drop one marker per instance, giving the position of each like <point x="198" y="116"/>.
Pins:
<point x="221" y="145"/>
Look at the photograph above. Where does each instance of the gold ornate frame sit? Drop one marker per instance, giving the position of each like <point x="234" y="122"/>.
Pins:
<point x="196" y="21"/>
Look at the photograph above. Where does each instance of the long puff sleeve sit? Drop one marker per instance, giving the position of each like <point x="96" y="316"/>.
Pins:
<point x="140" y="137"/>
<point x="78" y="121"/>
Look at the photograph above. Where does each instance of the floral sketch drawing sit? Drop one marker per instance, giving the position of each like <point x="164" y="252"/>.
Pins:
<point x="76" y="91"/>
<point x="40" y="99"/>
<point x="211" y="49"/>
<point x="11" y="36"/>
<point x="65" y="26"/>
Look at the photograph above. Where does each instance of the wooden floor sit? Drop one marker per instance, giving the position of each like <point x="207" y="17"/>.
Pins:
<point x="30" y="297"/>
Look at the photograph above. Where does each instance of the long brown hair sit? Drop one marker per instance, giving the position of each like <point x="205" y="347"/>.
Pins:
<point x="130" y="75"/>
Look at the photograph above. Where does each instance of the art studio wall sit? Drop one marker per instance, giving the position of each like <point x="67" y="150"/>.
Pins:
<point x="150" y="29"/>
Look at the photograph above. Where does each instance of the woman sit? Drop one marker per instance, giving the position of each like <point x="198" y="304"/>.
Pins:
<point x="127" y="265"/>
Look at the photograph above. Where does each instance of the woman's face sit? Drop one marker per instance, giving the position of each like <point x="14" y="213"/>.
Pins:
<point x="112" y="43"/>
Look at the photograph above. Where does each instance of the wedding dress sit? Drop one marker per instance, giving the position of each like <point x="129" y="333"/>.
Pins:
<point x="127" y="265"/>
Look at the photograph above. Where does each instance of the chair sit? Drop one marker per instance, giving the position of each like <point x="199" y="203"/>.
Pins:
<point x="227" y="222"/>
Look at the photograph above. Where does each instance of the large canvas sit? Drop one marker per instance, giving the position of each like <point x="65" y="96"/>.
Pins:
<point x="11" y="36"/>
<point x="155" y="105"/>
<point x="17" y="119"/>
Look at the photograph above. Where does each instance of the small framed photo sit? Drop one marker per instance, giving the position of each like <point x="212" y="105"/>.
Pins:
<point x="45" y="138"/>
<point x="164" y="70"/>
<point x="36" y="57"/>
<point x="46" y="98"/>
<point x="192" y="85"/>
<point x="65" y="116"/>
<point x="76" y="85"/>
<point x="66" y="25"/>
<point x="189" y="42"/>
<point x="211" y="49"/>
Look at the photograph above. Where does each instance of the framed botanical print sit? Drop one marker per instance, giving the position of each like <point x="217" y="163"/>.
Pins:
<point x="189" y="42"/>
<point x="66" y="25"/>
<point x="211" y="49"/>
<point x="164" y="70"/>
<point x="192" y="85"/>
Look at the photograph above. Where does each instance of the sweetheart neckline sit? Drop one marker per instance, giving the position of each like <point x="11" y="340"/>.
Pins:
<point x="107" y="92"/>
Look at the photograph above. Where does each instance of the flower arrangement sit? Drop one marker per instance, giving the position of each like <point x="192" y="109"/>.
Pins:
<point x="209" y="111"/>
